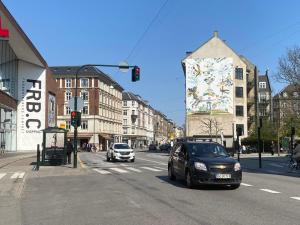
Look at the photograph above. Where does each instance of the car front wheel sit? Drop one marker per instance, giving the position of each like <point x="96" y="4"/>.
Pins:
<point x="234" y="186"/>
<point x="171" y="173"/>
<point x="132" y="160"/>
<point x="107" y="158"/>
<point x="189" y="180"/>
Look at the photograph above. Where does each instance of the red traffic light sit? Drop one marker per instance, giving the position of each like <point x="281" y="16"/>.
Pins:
<point x="135" y="74"/>
<point x="73" y="114"/>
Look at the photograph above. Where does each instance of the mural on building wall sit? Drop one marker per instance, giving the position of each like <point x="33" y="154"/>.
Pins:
<point x="51" y="111"/>
<point x="209" y="85"/>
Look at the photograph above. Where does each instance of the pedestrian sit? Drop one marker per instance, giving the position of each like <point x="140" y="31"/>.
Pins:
<point x="243" y="149"/>
<point x="69" y="151"/>
<point x="296" y="154"/>
<point x="273" y="148"/>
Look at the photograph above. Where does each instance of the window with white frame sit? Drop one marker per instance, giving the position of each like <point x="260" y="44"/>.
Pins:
<point x="68" y="95"/>
<point x="84" y="95"/>
<point x="84" y="125"/>
<point x="125" y="112"/>
<point x="125" y="103"/>
<point x="84" y="82"/>
<point x="68" y="83"/>
<point x="125" y="130"/>
<point x="68" y="110"/>
<point x="68" y="125"/>
<point x="125" y="122"/>
<point x="85" y="110"/>
<point x="262" y="85"/>
<point x="133" y="103"/>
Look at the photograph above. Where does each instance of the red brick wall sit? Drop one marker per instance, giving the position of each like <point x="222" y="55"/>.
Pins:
<point x="7" y="100"/>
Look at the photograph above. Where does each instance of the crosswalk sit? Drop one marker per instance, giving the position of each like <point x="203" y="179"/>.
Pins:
<point x="12" y="175"/>
<point x="127" y="169"/>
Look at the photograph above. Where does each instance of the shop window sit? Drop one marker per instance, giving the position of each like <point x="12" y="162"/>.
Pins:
<point x="239" y="73"/>
<point x="84" y="125"/>
<point x="68" y="83"/>
<point x="239" y="92"/>
<point x="84" y="82"/>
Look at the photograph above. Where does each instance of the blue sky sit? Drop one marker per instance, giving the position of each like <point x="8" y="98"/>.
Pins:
<point x="75" y="32"/>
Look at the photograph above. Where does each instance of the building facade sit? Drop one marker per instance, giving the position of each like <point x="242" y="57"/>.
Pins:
<point x="160" y="126"/>
<point x="101" y="110"/>
<point x="27" y="89"/>
<point x="216" y="91"/>
<point x="264" y="97"/>
<point x="137" y="121"/>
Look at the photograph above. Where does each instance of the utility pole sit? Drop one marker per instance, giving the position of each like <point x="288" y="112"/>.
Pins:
<point x="259" y="145"/>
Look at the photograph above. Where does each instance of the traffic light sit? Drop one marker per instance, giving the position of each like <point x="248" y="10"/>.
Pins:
<point x="75" y="118"/>
<point x="135" y="74"/>
<point x="293" y="131"/>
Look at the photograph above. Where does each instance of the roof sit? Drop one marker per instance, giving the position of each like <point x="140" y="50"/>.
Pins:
<point x="91" y="71"/>
<point x="289" y="89"/>
<point x="129" y="96"/>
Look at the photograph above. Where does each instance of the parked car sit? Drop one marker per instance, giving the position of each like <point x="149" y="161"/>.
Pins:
<point x="165" y="147"/>
<point x="251" y="149"/>
<point x="120" y="151"/>
<point x="201" y="162"/>
<point x="152" y="147"/>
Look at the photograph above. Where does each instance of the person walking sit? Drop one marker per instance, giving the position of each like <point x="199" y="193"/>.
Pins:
<point x="69" y="151"/>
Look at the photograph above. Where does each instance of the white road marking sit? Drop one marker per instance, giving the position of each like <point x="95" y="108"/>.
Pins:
<point x="160" y="168"/>
<point x="119" y="170"/>
<point x="270" y="191"/>
<point x="247" y="185"/>
<point x="17" y="175"/>
<point x="276" y="165"/>
<point x="21" y="175"/>
<point x="2" y="175"/>
<point x="151" y="169"/>
<point x="134" y="169"/>
<point x="102" y="171"/>
<point x="296" y="198"/>
<point x="165" y="164"/>
<point x="122" y="164"/>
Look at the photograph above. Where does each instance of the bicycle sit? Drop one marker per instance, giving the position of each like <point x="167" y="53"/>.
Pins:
<point x="292" y="164"/>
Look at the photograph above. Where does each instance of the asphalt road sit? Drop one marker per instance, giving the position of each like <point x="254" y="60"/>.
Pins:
<point x="112" y="193"/>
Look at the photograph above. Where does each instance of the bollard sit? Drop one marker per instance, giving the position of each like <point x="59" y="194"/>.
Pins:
<point x="38" y="158"/>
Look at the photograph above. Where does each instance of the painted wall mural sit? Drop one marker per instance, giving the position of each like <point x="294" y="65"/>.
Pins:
<point x="209" y="85"/>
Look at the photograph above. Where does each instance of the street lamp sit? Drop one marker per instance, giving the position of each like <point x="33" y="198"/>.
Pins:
<point x="122" y="66"/>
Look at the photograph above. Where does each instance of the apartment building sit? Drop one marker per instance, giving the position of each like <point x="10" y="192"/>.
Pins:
<point x="264" y="97"/>
<point x="216" y="91"/>
<point x="101" y="120"/>
<point x="137" y="120"/>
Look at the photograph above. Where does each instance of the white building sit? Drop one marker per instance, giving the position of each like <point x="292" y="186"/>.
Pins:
<point x="137" y="120"/>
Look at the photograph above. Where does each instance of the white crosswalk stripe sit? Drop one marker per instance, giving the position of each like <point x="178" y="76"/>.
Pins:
<point x="151" y="169"/>
<point x="102" y="171"/>
<point x="134" y="169"/>
<point x="2" y="175"/>
<point x="160" y="168"/>
<point x="247" y="185"/>
<point x="270" y="191"/>
<point x="296" y="198"/>
<point x="119" y="170"/>
<point x="17" y="175"/>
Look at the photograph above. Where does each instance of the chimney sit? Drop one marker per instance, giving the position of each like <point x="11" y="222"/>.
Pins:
<point x="216" y="34"/>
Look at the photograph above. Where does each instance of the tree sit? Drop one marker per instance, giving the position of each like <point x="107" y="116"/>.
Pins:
<point x="211" y="126"/>
<point x="289" y="66"/>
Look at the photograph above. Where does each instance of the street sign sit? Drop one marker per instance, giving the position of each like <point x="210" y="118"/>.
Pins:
<point x="285" y="143"/>
<point x="79" y="103"/>
<point x="123" y="67"/>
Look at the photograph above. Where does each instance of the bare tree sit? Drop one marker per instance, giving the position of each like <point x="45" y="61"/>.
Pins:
<point x="289" y="66"/>
<point x="211" y="126"/>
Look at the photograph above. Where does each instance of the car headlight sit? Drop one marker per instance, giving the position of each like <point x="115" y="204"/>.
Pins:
<point x="237" y="166"/>
<point x="200" y="166"/>
<point x="116" y="151"/>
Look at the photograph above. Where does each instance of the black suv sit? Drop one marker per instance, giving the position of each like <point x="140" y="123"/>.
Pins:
<point x="203" y="162"/>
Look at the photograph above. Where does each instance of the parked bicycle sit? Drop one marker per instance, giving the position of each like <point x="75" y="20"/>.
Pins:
<point x="293" y="164"/>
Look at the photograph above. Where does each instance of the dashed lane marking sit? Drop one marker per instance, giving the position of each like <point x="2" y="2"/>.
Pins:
<point x="151" y="169"/>
<point x="2" y="175"/>
<point x="134" y="169"/>
<point x="247" y="185"/>
<point x="296" y="198"/>
<point x="270" y="191"/>
<point x="119" y="170"/>
<point x="102" y="171"/>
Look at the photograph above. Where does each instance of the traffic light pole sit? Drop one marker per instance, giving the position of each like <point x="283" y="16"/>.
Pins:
<point x="75" y="100"/>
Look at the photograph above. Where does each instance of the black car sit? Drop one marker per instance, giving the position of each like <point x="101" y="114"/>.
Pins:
<point x="165" y="147"/>
<point x="152" y="147"/>
<point x="201" y="162"/>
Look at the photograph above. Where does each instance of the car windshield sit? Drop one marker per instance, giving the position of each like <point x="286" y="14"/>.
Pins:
<point x="206" y="150"/>
<point x="121" y="146"/>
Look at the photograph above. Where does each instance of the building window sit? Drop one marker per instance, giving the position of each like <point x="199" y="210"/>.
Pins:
<point x="125" y="130"/>
<point x="84" y="95"/>
<point x="239" y="110"/>
<point x="132" y="130"/>
<point x="85" y="110"/>
<point x="262" y="97"/>
<point x="262" y="85"/>
<point x="84" y="125"/>
<point x="84" y="82"/>
<point x="133" y="103"/>
<point x="239" y="92"/>
<point x="125" y="121"/>
<point x="68" y="125"/>
<point x="68" y="95"/>
<point x="68" y="83"/>
<point x="125" y="103"/>
<point x="240" y="126"/>
<point x="239" y="73"/>
<point x="125" y="112"/>
<point x="295" y="94"/>
<point x="68" y="110"/>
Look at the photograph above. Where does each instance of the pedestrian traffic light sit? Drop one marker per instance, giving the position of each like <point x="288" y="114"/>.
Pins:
<point x="75" y="118"/>
<point x="135" y="74"/>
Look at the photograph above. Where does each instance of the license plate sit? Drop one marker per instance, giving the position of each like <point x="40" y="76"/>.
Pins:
<point x="223" y="176"/>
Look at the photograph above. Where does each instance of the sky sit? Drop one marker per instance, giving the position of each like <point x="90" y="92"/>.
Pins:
<point x="155" y="35"/>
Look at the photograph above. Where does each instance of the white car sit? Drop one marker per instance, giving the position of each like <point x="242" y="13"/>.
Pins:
<point x="120" y="151"/>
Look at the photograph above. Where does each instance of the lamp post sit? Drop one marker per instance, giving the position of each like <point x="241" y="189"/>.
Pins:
<point x="122" y="66"/>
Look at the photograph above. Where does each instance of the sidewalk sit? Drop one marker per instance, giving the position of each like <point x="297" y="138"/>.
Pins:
<point x="11" y="157"/>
